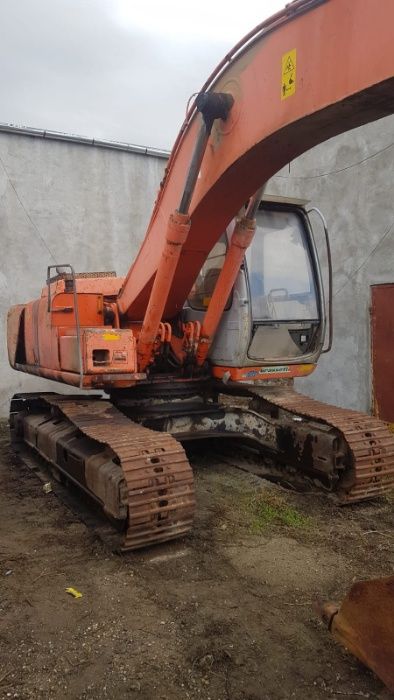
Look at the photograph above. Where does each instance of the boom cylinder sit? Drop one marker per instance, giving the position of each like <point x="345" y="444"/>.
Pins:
<point x="240" y="241"/>
<point x="177" y="230"/>
<point x="211" y="106"/>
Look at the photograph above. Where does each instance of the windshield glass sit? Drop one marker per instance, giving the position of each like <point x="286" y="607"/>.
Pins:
<point x="280" y="270"/>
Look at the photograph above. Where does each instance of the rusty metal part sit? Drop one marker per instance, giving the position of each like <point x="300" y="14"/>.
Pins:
<point x="68" y="277"/>
<point x="305" y="448"/>
<point x="366" y="470"/>
<point x="364" y="624"/>
<point x="147" y="471"/>
<point x="349" y="453"/>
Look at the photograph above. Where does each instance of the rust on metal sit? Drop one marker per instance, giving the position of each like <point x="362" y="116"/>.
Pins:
<point x="368" y="468"/>
<point x="364" y="624"/>
<point x="158" y="478"/>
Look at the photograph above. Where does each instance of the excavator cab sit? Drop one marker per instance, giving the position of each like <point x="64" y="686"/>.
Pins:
<point x="275" y="315"/>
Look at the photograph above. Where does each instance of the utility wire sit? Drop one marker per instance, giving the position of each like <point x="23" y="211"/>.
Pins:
<point x="370" y="254"/>
<point x="334" y="172"/>
<point x="35" y="227"/>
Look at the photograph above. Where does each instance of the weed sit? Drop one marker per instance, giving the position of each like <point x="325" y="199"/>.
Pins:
<point x="267" y="508"/>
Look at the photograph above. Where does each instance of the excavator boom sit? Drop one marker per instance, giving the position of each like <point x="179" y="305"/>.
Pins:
<point x="312" y="71"/>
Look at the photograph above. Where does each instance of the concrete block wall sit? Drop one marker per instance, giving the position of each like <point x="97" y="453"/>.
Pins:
<point x="67" y="202"/>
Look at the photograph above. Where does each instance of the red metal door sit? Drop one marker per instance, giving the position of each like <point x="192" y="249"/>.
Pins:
<point x="382" y="336"/>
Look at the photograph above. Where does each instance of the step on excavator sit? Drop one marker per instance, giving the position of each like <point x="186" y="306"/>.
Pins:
<point x="225" y="300"/>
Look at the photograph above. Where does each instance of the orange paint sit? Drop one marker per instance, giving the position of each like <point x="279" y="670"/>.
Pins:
<point x="253" y="374"/>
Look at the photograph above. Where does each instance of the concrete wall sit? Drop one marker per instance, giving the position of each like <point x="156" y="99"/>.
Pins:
<point x="66" y="202"/>
<point x="350" y="178"/>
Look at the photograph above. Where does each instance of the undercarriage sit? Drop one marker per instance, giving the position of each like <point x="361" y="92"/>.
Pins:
<point x="127" y="453"/>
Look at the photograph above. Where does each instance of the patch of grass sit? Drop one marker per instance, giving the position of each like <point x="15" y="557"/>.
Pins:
<point x="267" y="508"/>
<point x="389" y="497"/>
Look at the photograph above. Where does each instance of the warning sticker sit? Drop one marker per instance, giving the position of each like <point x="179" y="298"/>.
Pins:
<point x="110" y="335"/>
<point x="289" y="64"/>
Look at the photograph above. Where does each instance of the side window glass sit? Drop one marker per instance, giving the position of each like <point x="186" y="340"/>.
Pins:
<point x="204" y="285"/>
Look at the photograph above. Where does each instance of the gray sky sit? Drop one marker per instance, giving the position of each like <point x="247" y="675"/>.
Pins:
<point x="114" y="69"/>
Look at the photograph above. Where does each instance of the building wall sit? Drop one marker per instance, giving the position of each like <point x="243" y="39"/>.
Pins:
<point x="67" y="202"/>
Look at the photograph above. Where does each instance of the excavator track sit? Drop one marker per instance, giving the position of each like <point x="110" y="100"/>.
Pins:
<point x="155" y="485"/>
<point x="366" y="469"/>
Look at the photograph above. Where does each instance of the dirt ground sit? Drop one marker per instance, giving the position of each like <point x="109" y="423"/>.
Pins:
<point x="224" y="614"/>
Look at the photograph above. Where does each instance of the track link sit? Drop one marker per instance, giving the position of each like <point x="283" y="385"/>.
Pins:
<point x="368" y="468"/>
<point x="157" y="489"/>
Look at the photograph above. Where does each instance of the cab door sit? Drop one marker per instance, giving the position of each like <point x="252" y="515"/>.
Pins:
<point x="285" y="287"/>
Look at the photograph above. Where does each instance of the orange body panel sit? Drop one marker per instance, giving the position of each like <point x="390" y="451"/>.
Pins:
<point x="44" y="328"/>
<point x="90" y="310"/>
<point x="51" y="342"/>
<point x="253" y="374"/>
<point x="103" y="350"/>
<point x="344" y="78"/>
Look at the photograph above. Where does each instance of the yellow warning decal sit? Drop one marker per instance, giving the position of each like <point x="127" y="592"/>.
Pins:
<point x="111" y="336"/>
<point x="289" y="65"/>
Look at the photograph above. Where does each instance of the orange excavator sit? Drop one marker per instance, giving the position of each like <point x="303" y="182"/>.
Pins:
<point x="211" y="306"/>
<point x="213" y="309"/>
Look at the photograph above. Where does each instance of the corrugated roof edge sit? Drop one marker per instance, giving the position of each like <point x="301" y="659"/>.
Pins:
<point x="83" y="140"/>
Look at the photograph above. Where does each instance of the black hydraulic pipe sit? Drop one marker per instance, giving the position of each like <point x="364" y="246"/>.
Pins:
<point x="254" y="202"/>
<point x="212" y="105"/>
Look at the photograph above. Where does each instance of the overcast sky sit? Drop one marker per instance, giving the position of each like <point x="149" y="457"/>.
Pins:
<point x="114" y="69"/>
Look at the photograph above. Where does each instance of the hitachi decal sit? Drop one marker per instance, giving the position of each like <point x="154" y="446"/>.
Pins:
<point x="275" y="370"/>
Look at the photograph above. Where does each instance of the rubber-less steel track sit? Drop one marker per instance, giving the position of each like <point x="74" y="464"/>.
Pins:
<point x="158" y="476"/>
<point x="370" y="458"/>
